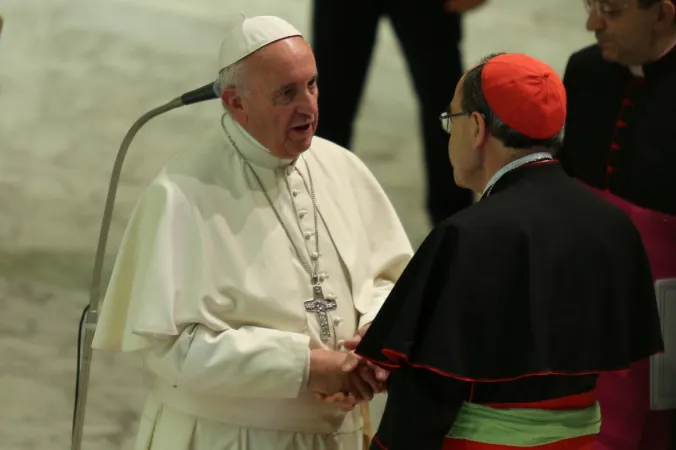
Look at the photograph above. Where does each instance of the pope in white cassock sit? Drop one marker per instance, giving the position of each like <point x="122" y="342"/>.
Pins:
<point x="248" y="264"/>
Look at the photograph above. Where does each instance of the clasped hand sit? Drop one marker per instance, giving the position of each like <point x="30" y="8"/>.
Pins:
<point x="360" y="380"/>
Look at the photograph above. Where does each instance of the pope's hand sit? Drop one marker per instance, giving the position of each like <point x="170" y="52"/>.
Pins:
<point x="365" y="378"/>
<point x="462" y="6"/>
<point x="361" y="385"/>
<point x="351" y="344"/>
<point x="343" y="401"/>
<point x="326" y="375"/>
<point x="374" y="375"/>
<point x="327" y="380"/>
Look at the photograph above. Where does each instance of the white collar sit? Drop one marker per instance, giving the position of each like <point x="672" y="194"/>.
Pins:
<point x="532" y="157"/>
<point x="637" y="71"/>
<point x="249" y="147"/>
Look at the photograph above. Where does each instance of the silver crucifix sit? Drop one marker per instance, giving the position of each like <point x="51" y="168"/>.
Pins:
<point x="321" y="306"/>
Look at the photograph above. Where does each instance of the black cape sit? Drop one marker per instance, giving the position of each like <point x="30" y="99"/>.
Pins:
<point x="542" y="277"/>
<point x="620" y="128"/>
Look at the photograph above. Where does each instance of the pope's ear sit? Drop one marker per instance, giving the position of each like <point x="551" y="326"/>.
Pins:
<point x="232" y="101"/>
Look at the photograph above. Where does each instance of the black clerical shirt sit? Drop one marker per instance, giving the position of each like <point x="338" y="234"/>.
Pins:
<point x="621" y="128"/>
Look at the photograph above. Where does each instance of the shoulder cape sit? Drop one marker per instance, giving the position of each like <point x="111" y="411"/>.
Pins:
<point x="489" y="303"/>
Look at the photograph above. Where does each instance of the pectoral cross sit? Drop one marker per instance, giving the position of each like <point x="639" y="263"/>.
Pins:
<point x="321" y="306"/>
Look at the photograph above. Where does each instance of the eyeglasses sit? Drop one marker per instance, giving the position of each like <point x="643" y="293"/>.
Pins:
<point x="446" y="117"/>
<point x="605" y="9"/>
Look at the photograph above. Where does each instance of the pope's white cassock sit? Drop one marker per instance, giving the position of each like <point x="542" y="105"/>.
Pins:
<point x="209" y="287"/>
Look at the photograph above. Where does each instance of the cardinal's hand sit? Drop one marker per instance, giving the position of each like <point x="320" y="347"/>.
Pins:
<point x="374" y="375"/>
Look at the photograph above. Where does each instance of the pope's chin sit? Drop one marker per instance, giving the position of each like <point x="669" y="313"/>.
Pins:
<point x="301" y="137"/>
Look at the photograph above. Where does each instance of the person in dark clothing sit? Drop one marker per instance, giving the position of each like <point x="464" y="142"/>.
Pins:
<point x="498" y="328"/>
<point x="344" y="34"/>
<point x="622" y="105"/>
<point x="619" y="140"/>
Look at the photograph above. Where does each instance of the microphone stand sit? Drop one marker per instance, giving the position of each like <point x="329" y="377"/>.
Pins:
<point x="89" y="317"/>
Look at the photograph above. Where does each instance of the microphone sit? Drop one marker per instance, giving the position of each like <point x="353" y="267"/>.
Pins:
<point x="89" y="317"/>
<point x="207" y="92"/>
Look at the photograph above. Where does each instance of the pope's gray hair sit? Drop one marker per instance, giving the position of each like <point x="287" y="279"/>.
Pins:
<point x="233" y="76"/>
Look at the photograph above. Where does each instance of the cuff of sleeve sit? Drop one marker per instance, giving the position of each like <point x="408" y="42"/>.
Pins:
<point x="306" y="373"/>
<point x="249" y="361"/>
<point x="300" y="357"/>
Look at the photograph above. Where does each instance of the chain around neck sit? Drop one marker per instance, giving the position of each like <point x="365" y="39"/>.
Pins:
<point x="528" y="159"/>
<point x="312" y="269"/>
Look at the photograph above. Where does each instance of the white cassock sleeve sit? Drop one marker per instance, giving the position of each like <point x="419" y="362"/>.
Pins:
<point x="160" y="300"/>
<point x="246" y="362"/>
<point x="389" y="246"/>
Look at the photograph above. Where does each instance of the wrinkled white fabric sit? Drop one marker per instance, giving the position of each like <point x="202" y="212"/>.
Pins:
<point x="208" y="286"/>
<point x="164" y="428"/>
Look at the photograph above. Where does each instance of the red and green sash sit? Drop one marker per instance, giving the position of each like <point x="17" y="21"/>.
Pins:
<point x="484" y="427"/>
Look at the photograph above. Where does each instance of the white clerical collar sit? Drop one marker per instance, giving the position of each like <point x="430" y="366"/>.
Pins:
<point x="637" y="71"/>
<point x="250" y="148"/>
<point x="532" y="157"/>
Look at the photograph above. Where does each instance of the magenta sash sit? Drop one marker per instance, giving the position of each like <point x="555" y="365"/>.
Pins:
<point x="627" y="420"/>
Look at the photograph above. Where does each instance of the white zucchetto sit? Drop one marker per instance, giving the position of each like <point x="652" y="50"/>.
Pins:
<point x="243" y="36"/>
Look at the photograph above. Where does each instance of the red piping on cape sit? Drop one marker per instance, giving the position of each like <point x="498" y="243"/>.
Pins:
<point x="394" y="356"/>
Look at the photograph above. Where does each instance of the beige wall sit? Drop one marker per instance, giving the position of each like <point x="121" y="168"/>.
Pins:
<point x="74" y="75"/>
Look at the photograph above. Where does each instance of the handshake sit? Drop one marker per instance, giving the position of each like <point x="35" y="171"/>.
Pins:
<point x="344" y="379"/>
